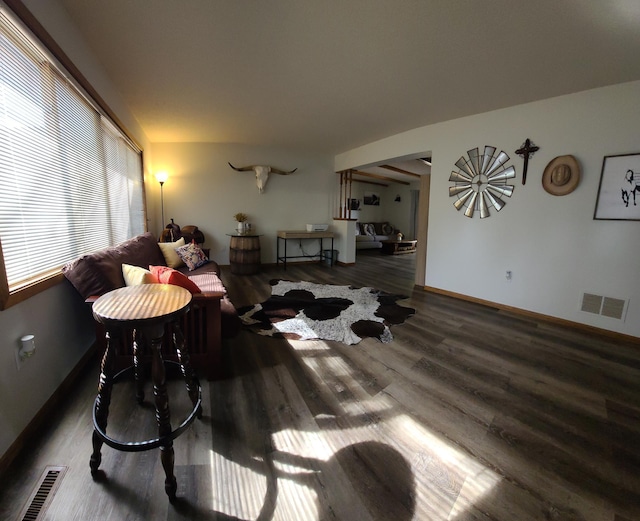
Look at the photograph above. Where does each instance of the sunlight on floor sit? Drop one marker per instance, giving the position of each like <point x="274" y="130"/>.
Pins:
<point x="314" y="462"/>
<point x="436" y="462"/>
<point x="446" y="482"/>
<point x="297" y="326"/>
<point x="237" y="490"/>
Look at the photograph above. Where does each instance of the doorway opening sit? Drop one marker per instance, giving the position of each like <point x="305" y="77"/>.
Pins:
<point x="389" y="201"/>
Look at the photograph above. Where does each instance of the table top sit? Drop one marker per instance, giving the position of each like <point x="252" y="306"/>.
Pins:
<point x="133" y="306"/>
<point x="303" y="234"/>
<point x="396" y="241"/>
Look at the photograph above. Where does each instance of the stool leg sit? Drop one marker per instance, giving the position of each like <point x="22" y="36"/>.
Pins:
<point x="138" y="368"/>
<point x="101" y="407"/>
<point x="163" y="416"/>
<point x="193" y="387"/>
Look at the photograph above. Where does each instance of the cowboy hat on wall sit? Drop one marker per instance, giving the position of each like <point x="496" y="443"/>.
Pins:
<point x="561" y="176"/>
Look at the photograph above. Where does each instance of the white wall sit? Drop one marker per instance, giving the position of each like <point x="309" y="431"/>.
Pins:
<point x="552" y="245"/>
<point x="399" y="213"/>
<point x="58" y="317"/>
<point x="205" y="191"/>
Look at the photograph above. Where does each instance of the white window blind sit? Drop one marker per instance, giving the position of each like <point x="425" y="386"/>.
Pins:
<point x="70" y="181"/>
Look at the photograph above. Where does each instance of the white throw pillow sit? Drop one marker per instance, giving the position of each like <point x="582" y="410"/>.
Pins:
<point x="171" y="256"/>
<point x="135" y="275"/>
<point x="369" y="229"/>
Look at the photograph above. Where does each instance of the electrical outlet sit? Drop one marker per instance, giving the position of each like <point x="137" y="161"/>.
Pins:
<point x="508" y="275"/>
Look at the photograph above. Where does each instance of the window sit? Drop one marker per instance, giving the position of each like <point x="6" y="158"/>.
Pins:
<point x="70" y="180"/>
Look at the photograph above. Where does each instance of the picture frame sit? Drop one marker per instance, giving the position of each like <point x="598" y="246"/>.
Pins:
<point x="354" y="204"/>
<point x="371" y="199"/>
<point x="619" y="190"/>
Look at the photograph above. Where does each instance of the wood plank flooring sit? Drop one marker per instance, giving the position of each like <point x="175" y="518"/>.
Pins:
<point x="470" y="413"/>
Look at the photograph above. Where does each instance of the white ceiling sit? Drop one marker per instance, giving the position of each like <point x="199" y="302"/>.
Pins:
<point x="330" y="75"/>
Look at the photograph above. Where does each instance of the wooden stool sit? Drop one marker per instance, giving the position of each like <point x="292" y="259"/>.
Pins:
<point x="146" y="309"/>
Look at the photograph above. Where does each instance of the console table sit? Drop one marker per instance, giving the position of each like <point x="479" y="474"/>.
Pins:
<point x="395" y="247"/>
<point x="285" y="235"/>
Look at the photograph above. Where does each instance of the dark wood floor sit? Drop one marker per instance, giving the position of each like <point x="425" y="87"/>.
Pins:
<point x="470" y="413"/>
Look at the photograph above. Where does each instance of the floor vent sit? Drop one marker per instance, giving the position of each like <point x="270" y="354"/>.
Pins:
<point x="605" y="306"/>
<point x="42" y="493"/>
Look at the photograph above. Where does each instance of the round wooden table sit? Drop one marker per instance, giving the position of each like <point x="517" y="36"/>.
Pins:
<point x="146" y="310"/>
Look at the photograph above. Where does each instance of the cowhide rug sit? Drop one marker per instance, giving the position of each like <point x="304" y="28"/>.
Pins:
<point x="305" y="311"/>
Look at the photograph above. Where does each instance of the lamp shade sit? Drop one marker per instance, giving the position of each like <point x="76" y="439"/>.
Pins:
<point x="162" y="177"/>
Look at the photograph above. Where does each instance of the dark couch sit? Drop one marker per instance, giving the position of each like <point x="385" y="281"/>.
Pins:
<point x="212" y="315"/>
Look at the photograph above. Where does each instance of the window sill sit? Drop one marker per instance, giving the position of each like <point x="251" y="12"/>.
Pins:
<point x="11" y="298"/>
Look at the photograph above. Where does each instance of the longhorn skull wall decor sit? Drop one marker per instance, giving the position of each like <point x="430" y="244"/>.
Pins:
<point x="262" y="173"/>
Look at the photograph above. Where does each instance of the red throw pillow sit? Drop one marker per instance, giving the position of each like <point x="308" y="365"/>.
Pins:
<point x="168" y="275"/>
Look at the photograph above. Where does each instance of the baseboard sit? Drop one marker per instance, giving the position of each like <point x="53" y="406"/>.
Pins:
<point x="297" y="262"/>
<point x="293" y="263"/>
<point x="46" y="412"/>
<point x="539" y="316"/>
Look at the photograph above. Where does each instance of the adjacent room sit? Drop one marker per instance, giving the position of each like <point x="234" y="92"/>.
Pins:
<point x="319" y="260"/>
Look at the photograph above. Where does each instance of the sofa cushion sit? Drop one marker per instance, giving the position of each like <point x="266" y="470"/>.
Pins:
<point x="167" y="275"/>
<point x="208" y="281"/>
<point x="171" y="257"/>
<point x="207" y="277"/>
<point x="378" y="228"/>
<point x="97" y="273"/>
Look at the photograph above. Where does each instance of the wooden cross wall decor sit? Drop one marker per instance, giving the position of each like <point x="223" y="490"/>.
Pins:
<point x="527" y="150"/>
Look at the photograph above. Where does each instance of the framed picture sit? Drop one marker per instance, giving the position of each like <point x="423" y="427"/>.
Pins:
<point x="371" y="199"/>
<point x="619" y="191"/>
<point x="354" y="204"/>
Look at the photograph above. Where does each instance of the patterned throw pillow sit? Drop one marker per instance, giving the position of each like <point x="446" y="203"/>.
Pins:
<point x="135" y="275"/>
<point x="369" y="229"/>
<point x="387" y="229"/>
<point x="192" y="255"/>
<point x="168" y="275"/>
<point x="169" y="251"/>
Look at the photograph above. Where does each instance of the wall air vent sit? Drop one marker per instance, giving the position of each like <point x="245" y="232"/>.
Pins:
<point x="591" y="303"/>
<point x="605" y="306"/>
<point x="613" y="307"/>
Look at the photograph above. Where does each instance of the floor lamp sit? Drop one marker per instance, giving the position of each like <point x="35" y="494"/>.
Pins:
<point x="162" y="177"/>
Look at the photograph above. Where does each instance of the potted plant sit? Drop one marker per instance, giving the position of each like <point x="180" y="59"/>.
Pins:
<point x="241" y="219"/>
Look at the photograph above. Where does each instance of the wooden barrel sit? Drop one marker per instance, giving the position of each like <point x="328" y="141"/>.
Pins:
<point x="244" y="255"/>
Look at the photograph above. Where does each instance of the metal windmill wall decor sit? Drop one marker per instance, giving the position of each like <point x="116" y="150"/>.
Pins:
<point x="481" y="182"/>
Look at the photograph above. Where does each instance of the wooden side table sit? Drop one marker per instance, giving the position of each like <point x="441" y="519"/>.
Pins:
<point x="244" y="253"/>
<point x="145" y="309"/>
<point x="395" y="247"/>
